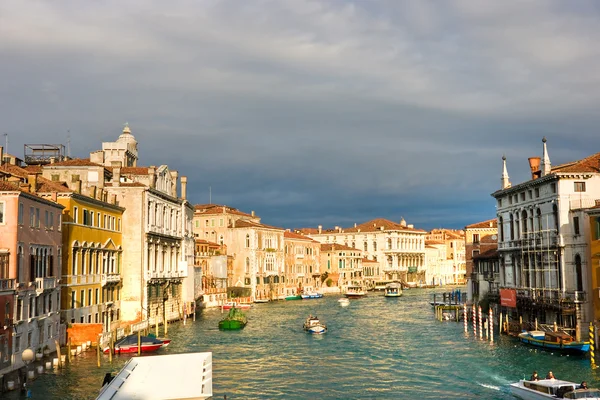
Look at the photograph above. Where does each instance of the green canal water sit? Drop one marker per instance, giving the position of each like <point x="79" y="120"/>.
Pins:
<point x="376" y="348"/>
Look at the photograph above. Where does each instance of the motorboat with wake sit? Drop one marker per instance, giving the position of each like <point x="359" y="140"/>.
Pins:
<point x="129" y="344"/>
<point x="314" y="325"/>
<point x="344" y="302"/>
<point x="551" y="389"/>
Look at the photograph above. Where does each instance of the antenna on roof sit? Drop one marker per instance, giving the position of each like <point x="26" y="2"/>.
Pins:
<point x="6" y="145"/>
<point x="68" y="143"/>
<point x="209" y="195"/>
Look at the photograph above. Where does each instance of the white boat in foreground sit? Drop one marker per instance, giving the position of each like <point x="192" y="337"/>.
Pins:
<point x="344" y="302"/>
<point x="393" y="289"/>
<point x="551" y="389"/>
<point x="173" y="376"/>
<point x="315" y="326"/>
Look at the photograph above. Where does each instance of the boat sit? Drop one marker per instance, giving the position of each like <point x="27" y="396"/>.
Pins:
<point x="186" y="376"/>
<point x="294" y="297"/>
<point x="231" y="304"/>
<point x="235" y="320"/>
<point x="311" y="295"/>
<point x="261" y="300"/>
<point x="129" y="344"/>
<point x="355" y="291"/>
<point x="314" y="325"/>
<point x="551" y="389"/>
<point x="344" y="302"/>
<point x="560" y="341"/>
<point x="393" y="289"/>
<point x="439" y="303"/>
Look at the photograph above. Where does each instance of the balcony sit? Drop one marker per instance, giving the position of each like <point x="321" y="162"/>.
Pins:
<point x="299" y="256"/>
<point x="111" y="278"/>
<point x="43" y="284"/>
<point x="166" y="274"/>
<point x="8" y="284"/>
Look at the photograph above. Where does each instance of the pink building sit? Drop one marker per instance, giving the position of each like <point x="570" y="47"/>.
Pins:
<point x="30" y="258"/>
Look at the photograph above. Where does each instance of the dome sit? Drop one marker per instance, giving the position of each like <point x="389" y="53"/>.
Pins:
<point x="126" y="136"/>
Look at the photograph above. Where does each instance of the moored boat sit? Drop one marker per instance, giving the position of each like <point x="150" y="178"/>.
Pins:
<point x="355" y="291"/>
<point x="558" y="341"/>
<point x="311" y="295"/>
<point x="393" y="289"/>
<point x="261" y="300"/>
<point x="235" y="320"/>
<point x="231" y="304"/>
<point x="293" y="297"/>
<point x="551" y="389"/>
<point x="314" y="325"/>
<point x="129" y="344"/>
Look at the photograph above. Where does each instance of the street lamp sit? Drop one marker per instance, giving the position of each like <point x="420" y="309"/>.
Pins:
<point x="27" y="356"/>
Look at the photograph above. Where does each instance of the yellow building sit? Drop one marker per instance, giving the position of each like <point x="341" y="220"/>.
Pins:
<point x="594" y="249"/>
<point x="91" y="264"/>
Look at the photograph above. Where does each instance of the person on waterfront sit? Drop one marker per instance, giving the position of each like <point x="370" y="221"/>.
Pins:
<point x="583" y="385"/>
<point x="534" y="376"/>
<point x="550" y="375"/>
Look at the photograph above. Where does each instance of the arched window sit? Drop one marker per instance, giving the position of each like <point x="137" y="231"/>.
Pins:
<point x="247" y="241"/>
<point x="221" y="240"/>
<point x="524" y="222"/>
<point x="366" y="246"/>
<point x="389" y="244"/>
<point x="578" y="273"/>
<point x="512" y="227"/>
<point x="501" y="227"/>
<point x="374" y="245"/>
<point x="538" y="214"/>
<point x="20" y="266"/>
<point x="555" y="215"/>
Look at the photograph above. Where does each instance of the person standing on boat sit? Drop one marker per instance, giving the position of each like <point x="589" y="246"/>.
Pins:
<point x="534" y="376"/>
<point x="550" y="375"/>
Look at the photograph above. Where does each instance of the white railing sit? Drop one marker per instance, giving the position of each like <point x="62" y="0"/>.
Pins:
<point x="42" y="284"/>
<point x="7" y="284"/>
<point x="110" y="278"/>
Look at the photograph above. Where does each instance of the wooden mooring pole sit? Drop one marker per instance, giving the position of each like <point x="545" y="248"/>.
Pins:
<point x="98" y="350"/>
<point x="592" y="345"/>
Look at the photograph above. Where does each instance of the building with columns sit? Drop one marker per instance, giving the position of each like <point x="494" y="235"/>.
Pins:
<point x="454" y="240"/>
<point x="399" y="248"/>
<point x="158" y="254"/>
<point x="542" y="240"/>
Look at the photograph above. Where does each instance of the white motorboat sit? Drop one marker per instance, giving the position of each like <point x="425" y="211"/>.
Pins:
<point x="314" y="325"/>
<point x="344" y="302"/>
<point x="551" y="389"/>
<point x="393" y="289"/>
<point x="355" y="291"/>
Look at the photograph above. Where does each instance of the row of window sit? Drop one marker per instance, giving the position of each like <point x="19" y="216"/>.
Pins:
<point x="211" y="222"/>
<point x="93" y="297"/>
<point x="111" y="223"/>
<point x="578" y="187"/>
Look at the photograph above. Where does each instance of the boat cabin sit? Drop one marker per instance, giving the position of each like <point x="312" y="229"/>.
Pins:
<point x="558" y="337"/>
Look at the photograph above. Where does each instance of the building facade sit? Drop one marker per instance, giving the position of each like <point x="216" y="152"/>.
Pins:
<point x="480" y="238"/>
<point x="302" y="260"/>
<point x="542" y="241"/>
<point x="341" y="266"/>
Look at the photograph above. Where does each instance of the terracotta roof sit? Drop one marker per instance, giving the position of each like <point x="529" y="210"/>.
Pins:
<point x="483" y="224"/>
<point x="46" y="185"/>
<point x="432" y="242"/>
<point x="209" y="209"/>
<point x="588" y="164"/>
<point x="126" y="184"/>
<point x="292" y="235"/>
<point x="366" y="260"/>
<point x="491" y="253"/>
<point x="375" y="224"/>
<point x="307" y="231"/>
<point x="75" y="162"/>
<point x="203" y="241"/>
<point x="134" y="170"/>
<point x="336" y="247"/>
<point x="251" y="224"/>
<point x="14" y="170"/>
<point x="7" y="186"/>
<point x="34" y="169"/>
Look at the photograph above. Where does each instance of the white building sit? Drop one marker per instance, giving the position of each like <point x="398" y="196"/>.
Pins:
<point x="542" y="239"/>
<point x="399" y="248"/>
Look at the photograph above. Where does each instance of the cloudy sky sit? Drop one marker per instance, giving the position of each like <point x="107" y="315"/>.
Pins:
<point x="312" y="112"/>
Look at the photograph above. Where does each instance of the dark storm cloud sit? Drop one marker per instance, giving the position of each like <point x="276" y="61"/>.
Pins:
<point x="311" y="112"/>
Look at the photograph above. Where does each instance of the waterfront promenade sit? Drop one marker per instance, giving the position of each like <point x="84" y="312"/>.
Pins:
<point x="377" y="348"/>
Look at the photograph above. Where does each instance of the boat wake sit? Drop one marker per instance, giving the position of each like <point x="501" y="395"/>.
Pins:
<point x="485" y="385"/>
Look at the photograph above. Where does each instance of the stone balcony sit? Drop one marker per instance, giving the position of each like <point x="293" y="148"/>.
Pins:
<point x="8" y="284"/>
<point x="43" y="284"/>
<point x="110" y="278"/>
<point x="166" y="274"/>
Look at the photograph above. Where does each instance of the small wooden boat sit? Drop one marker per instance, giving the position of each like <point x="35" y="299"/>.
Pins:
<point x="355" y="292"/>
<point x="129" y="344"/>
<point x="558" y="341"/>
<point x="551" y="389"/>
<point x="234" y="321"/>
<point x="393" y="289"/>
<point x="314" y="325"/>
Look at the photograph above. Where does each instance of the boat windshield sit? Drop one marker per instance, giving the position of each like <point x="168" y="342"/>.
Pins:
<point x="583" y="394"/>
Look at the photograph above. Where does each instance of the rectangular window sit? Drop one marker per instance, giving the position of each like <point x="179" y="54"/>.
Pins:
<point x="31" y="217"/>
<point x="553" y="187"/>
<point x="537" y="192"/>
<point x="73" y="299"/>
<point x="212" y="222"/>
<point x="119" y="225"/>
<point x="37" y="217"/>
<point x="2" y="213"/>
<point x="99" y="220"/>
<point x="499" y="203"/>
<point x="21" y="211"/>
<point x="576" y="225"/>
<point x="476" y="238"/>
<point x="86" y="220"/>
<point x="97" y="296"/>
<point x="46" y="218"/>
<point x="221" y="222"/>
<point x="522" y="196"/>
<point x="197" y="224"/>
<point x="579" y="186"/>
<point x="59" y="221"/>
<point x="82" y="298"/>
<point x="76" y="215"/>
<point x="475" y="253"/>
<point x="51" y="220"/>
<point x="89" y="297"/>
<point x="91" y="218"/>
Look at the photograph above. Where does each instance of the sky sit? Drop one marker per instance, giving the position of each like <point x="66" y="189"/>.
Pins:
<point x="311" y="112"/>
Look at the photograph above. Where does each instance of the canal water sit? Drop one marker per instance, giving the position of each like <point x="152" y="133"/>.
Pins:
<point x="376" y="348"/>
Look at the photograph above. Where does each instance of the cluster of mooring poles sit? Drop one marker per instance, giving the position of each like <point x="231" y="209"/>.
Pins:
<point x="481" y="327"/>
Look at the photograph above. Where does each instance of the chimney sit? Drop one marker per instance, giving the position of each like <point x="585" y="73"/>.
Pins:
<point x="252" y="213"/>
<point x="93" y="191"/>
<point x="184" y="187"/>
<point x="320" y="229"/>
<point x="534" y="165"/>
<point x="1" y="154"/>
<point x="152" y="177"/>
<point x="32" y="180"/>
<point x="116" y="177"/>
<point x="54" y="196"/>
<point x="174" y="175"/>
<point x="491" y="224"/>
<point x="78" y="186"/>
<point x="411" y="226"/>
<point x="355" y="224"/>
<point x="113" y="199"/>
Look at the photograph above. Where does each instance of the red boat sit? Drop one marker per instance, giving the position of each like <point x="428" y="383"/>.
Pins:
<point x="129" y="344"/>
<point x="231" y="304"/>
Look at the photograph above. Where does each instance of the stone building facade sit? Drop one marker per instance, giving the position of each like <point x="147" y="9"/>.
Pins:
<point x="302" y="260"/>
<point x="480" y="238"/>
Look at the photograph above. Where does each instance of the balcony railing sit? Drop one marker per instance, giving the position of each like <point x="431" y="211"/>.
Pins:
<point x="43" y="284"/>
<point x="167" y="274"/>
<point x="8" y="284"/>
<point x="110" y="278"/>
<point x="551" y="295"/>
